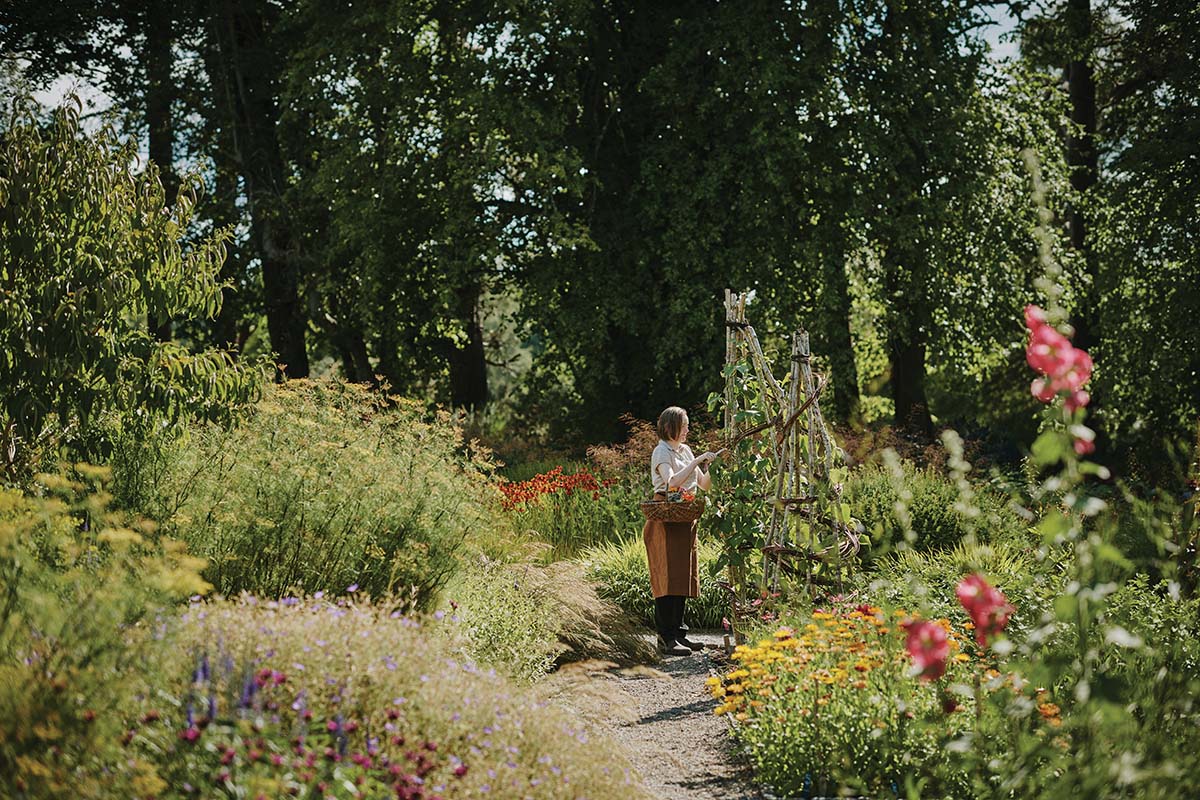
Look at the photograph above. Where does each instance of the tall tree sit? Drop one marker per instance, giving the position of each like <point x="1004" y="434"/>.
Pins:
<point x="249" y="62"/>
<point x="1146" y="234"/>
<point x="694" y="122"/>
<point x="429" y="159"/>
<point x="913" y="81"/>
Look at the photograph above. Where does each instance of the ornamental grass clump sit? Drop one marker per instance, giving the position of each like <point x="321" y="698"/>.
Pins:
<point x="314" y="698"/>
<point x="525" y="618"/>
<point x="325" y="485"/>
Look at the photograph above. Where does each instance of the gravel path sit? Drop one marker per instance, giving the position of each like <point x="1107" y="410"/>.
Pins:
<point x="664" y="719"/>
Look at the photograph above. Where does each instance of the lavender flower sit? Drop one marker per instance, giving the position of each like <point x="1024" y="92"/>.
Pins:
<point x="249" y="689"/>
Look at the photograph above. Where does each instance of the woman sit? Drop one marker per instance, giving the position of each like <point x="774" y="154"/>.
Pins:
<point x="671" y="546"/>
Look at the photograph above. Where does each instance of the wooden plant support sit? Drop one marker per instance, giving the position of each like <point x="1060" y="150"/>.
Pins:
<point x="806" y="536"/>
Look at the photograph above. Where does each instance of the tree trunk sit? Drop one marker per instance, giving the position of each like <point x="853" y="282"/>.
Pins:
<point x="836" y="299"/>
<point x="346" y="335"/>
<point x="229" y="328"/>
<point x="247" y="93"/>
<point x="907" y="338"/>
<point x="468" y="364"/>
<point x="907" y="356"/>
<point x="160" y="91"/>
<point x="1082" y="157"/>
<point x="1084" y="164"/>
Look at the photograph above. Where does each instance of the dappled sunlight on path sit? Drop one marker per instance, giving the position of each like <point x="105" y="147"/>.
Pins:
<point x="664" y="719"/>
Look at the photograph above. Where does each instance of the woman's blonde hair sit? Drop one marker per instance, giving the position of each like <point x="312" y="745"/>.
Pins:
<point x="670" y="423"/>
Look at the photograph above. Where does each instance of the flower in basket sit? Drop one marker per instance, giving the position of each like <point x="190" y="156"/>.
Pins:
<point x="680" y="496"/>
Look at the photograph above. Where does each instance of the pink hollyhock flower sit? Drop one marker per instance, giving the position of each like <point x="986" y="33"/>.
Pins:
<point x="929" y="646"/>
<point x="1042" y="390"/>
<point x="988" y="607"/>
<point x="1047" y="350"/>
<point x="1077" y="399"/>
<point x="1035" y="317"/>
<point x="1065" y="367"/>
<point x="1084" y="447"/>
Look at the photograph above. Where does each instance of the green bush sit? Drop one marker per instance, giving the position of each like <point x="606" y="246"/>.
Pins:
<point x="925" y="581"/>
<point x="326" y="485"/>
<point x="622" y="575"/>
<point x="92" y="249"/>
<point x="1129" y="732"/>
<point x="503" y="623"/>
<point x="80" y="589"/>
<point x="872" y="496"/>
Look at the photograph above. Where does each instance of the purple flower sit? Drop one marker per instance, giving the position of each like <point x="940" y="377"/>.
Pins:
<point x="201" y="673"/>
<point x="352" y="588"/>
<point x="249" y="689"/>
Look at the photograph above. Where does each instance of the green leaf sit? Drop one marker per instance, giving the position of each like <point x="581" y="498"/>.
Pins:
<point x="1050" y="448"/>
<point x="1107" y="552"/>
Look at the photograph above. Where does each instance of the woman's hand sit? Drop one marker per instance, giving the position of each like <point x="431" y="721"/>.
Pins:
<point x="703" y="480"/>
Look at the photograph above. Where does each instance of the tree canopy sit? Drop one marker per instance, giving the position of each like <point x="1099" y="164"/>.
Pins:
<point x="533" y="208"/>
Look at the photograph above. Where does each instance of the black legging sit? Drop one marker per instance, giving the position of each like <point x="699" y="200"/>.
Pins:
<point x="668" y="616"/>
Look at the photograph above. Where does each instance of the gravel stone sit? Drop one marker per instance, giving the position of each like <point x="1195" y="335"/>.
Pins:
<point x="680" y="748"/>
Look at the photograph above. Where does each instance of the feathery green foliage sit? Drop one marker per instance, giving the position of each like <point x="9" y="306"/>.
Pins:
<point x="324" y="486"/>
<point x="81" y="589"/>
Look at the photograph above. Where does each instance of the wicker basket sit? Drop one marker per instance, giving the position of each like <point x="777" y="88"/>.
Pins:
<point x="673" y="510"/>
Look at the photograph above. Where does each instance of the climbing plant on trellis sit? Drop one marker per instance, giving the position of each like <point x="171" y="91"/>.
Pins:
<point x="780" y="512"/>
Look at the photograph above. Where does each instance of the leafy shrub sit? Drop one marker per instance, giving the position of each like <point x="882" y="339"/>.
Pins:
<point x="830" y="702"/>
<point x="91" y="249"/>
<point x="524" y="618"/>
<point x="926" y="580"/>
<point x="79" y="586"/>
<point x="631" y="456"/>
<point x="1130" y="733"/>
<point x="325" y="486"/>
<point x="344" y="700"/>
<point x="622" y="574"/>
<point x="872" y="495"/>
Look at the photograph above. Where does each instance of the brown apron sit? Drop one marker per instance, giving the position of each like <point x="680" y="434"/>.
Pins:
<point x="671" y="553"/>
